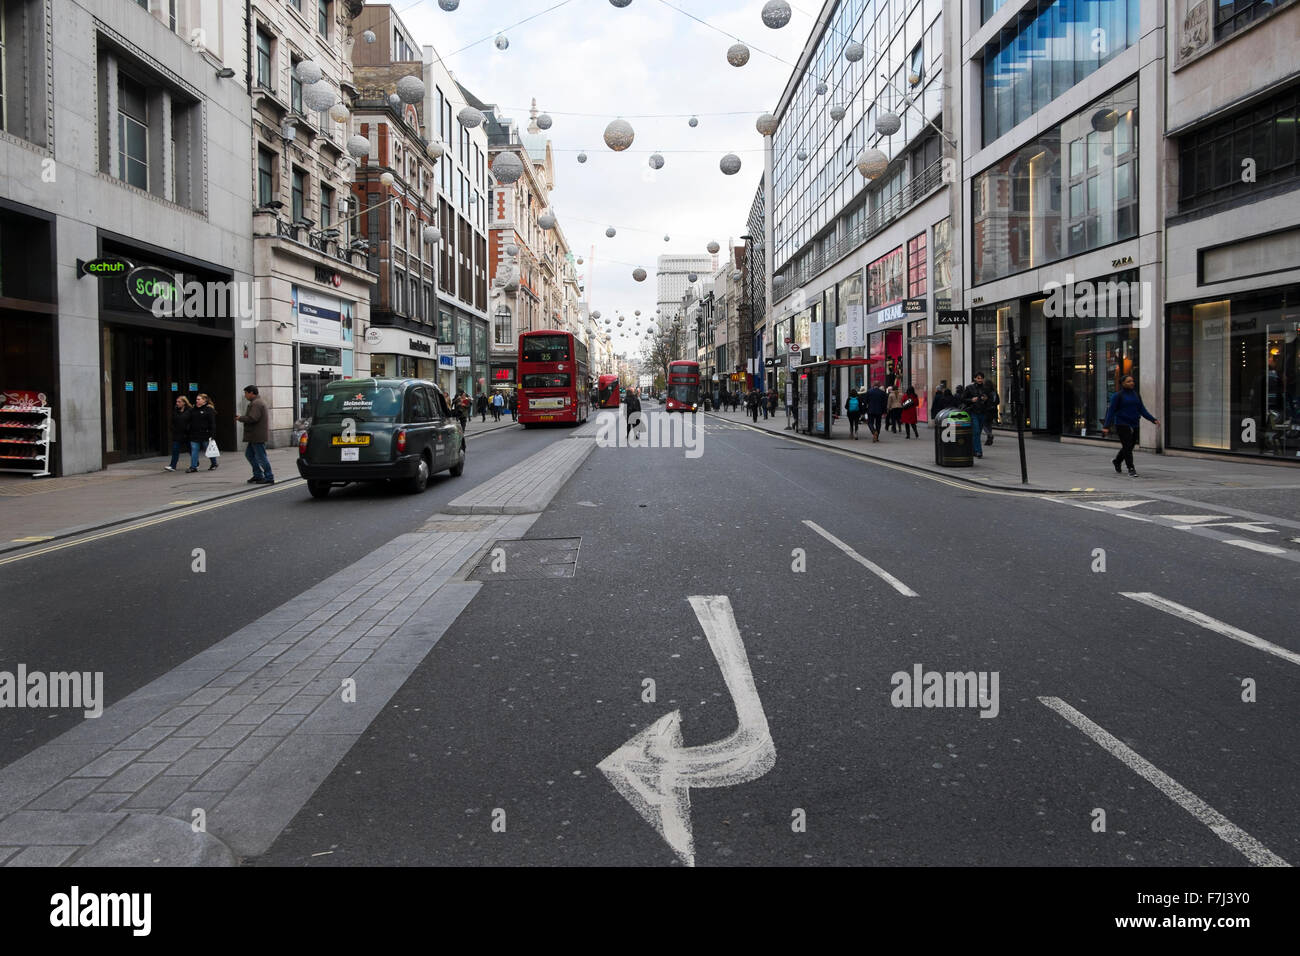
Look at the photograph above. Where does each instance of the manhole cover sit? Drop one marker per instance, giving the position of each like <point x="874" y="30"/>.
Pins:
<point x="526" y="559"/>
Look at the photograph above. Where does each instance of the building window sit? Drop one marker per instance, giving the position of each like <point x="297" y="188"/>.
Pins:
<point x="1212" y="159"/>
<point x="323" y="18"/>
<point x="1071" y="190"/>
<point x="502" y="327"/>
<point x="295" y="86"/>
<point x="1047" y="50"/>
<point x="132" y="132"/>
<point x="916" y="266"/>
<point x="265" y="176"/>
<point x="1231" y="17"/>
<point x="299" y="195"/>
<point x="885" y="281"/>
<point x="265" y="73"/>
<point x="326" y="207"/>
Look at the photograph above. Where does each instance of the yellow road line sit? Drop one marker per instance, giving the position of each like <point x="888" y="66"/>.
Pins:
<point x="149" y="522"/>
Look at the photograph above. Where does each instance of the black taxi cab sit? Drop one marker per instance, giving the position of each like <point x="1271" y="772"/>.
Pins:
<point x="376" y="429"/>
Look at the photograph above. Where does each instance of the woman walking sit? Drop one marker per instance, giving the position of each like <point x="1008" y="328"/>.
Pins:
<point x="893" y="405"/>
<point x="182" y="415"/>
<point x="907" y="413"/>
<point x="203" y="428"/>
<point x="1126" y="412"/>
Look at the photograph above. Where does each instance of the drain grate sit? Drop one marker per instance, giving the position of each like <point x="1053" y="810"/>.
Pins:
<point x="528" y="559"/>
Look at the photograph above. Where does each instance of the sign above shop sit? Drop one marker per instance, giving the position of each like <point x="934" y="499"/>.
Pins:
<point x="446" y="349"/>
<point x="418" y="345"/>
<point x="103" y="266"/>
<point x="153" y="289"/>
<point x="888" y="314"/>
<point x="462" y="361"/>
<point x="327" y="276"/>
<point x="952" y="317"/>
<point x="374" y="336"/>
<point x="446" y="361"/>
<point x="942" y="304"/>
<point x="914" y="306"/>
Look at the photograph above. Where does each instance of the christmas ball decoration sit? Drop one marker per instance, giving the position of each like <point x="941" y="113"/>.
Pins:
<point x="512" y="249"/>
<point x="470" y="117"/>
<point x="611" y="232"/>
<point x="410" y="89"/>
<point x="639" y="275"/>
<point x="435" y="149"/>
<point x="837" y="112"/>
<point x="544" y="121"/>
<point x="582" y="157"/>
<point x="432" y="235"/>
<point x="368" y="36"/>
<point x="546" y="220"/>
<point x="801" y="155"/>
<point x="872" y="163"/>
<point x="854" y="52"/>
<point x="596" y="315"/>
<point x="619" y="135"/>
<point x="449" y="5"/>
<point x="887" y="123"/>
<point x="713" y="247"/>
<point x="693" y="122"/>
<point x="619" y="3"/>
<point x="729" y="164"/>
<point x="656" y="161"/>
<point x="821" y="88"/>
<point x="386" y="178"/>
<point x="307" y="72"/>
<point x="691" y="276"/>
<point x="339" y="113"/>
<point x="666" y="239"/>
<point x="358" y="146"/>
<point x="319" y="96"/>
<point x="507" y="168"/>
<point x="766" y="124"/>
<point x="502" y="42"/>
<point x="776" y="14"/>
<point x="778" y="280"/>
<point x="737" y="54"/>
<point x="394" y="101"/>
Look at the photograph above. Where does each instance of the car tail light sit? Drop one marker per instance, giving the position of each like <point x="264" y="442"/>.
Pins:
<point x="401" y="441"/>
<point x="302" y="444"/>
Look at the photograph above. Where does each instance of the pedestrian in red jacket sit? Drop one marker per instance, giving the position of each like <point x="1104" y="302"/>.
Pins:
<point x="907" y="413"/>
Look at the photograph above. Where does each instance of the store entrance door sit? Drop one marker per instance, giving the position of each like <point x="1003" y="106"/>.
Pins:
<point x="144" y="371"/>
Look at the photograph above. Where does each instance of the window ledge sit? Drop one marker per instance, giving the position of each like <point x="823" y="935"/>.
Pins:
<point x="107" y="177"/>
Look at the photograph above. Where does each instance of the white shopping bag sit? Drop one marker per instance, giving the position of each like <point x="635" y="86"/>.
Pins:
<point x="213" y="451"/>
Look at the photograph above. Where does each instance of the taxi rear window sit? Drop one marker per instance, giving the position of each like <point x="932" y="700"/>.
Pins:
<point x="381" y="403"/>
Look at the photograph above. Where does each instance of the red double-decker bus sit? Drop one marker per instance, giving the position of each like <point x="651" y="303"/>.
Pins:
<point x="683" y="387"/>
<point x="607" y="391"/>
<point x="553" y="383"/>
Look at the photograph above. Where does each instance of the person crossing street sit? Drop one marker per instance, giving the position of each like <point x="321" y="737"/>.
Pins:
<point x="1126" y="412"/>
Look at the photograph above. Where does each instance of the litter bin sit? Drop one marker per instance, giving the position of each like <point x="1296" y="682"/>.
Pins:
<point x="958" y="451"/>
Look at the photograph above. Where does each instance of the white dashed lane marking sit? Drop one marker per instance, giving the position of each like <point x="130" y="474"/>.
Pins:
<point x="1211" y="624"/>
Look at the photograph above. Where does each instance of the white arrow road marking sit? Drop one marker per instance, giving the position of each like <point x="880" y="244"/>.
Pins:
<point x="876" y="569"/>
<point x="1191" y="519"/>
<point x="655" y="773"/>
<point x="1123" y="504"/>
<point x="1221" y="826"/>
<point x="1255" y="546"/>
<point x="1209" y="623"/>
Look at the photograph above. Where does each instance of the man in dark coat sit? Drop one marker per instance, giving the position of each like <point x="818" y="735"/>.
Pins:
<point x="257" y="431"/>
<point x="877" y="401"/>
<point x="633" y="411"/>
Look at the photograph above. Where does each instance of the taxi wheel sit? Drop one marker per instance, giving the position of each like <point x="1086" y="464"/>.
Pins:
<point x="420" y="480"/>
<point x="318" y="489"/>
<point x="458" y="469"/>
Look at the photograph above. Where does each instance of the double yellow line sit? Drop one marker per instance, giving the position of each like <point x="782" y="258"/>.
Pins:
<point x="147" y="523"/>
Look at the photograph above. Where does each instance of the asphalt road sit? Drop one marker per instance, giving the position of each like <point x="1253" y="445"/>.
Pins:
<point x="488" y="754"/>
<point x="130" y="605"/>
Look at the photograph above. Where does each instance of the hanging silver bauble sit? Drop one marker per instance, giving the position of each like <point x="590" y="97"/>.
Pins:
<point x="691" y="276"/>
<point x="507" y="168"/>
<point x="596" y="315"/>
<point x="449" y="5"/>
<point x="666" y="238"/>
<point x="610" y="232"/>
<point x="544" y="121"/>
<point x="737" y="54"/>
<point x="713" y="247"/>
<point x="637" y="312"/>
<point x="502" y="41"/>
<point x="735" y="276"/>
<point x="776" y="14"/>
<point x="872" y="163"/>
<point x="887" y="123"/>
<point x="368" y="36"/>
<point x="411" y="89"/>
<point x="693" y="122"/>
<point x="729" y="164"/>
<point x="639" y="275"/>
<point x="854" y="52"/>
<point x="432" y="235"/>
<point x="435" y="149"/>
<point x="913" y="79"/>
<point x="766" y="124"/>
<point x="470" y="117"/>
<point x="801" y="155"/>
<point x="837" y="112"/>
<point x="395" y="101"/>
<point x="386" y="178"/>
<point x="821" y="88"/>
<point x="579" y="260"/>
<point x="619" y="135"/>
<point x="339" y="113"/>
<point x="512" y="249"/>
<point x="778" y="280"/>
<point x="656" y="161"/>
<point x="619" y="3"/>
<point x="307" y="72"/>
<point x="319" y="96"/>
<point x="546" y="220"/>
<point x="358" y="146"/>
<point x="582" y="157"/>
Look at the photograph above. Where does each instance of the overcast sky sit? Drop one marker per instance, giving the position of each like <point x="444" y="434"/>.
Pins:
<point x="589" y="57"/>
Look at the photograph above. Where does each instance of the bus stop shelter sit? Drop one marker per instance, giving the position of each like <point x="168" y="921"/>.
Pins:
<point x="818" y="394"/>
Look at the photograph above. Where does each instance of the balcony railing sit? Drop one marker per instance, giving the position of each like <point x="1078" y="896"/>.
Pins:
<point x="325" y="245"/>
<point x="912" y="193"/>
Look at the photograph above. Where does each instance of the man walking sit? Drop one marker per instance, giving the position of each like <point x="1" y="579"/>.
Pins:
<point x="990" y="412"/>
<point x="633" y="405"/>
<point x="1126" y="412"/>
<point x="973" y="403"/>
<point x="877" y="403"/>
<point x="257" y="430"/>
<point x="854" y="409"/>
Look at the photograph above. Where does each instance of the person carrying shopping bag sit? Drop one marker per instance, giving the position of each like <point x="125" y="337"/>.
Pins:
<point x="203" y="430"/>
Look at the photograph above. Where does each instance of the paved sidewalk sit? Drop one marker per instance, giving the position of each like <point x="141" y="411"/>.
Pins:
<point x="1054" y="467"/>
<point x="34" y="510"/>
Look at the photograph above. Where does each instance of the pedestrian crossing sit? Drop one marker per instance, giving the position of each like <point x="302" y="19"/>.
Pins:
<point x="1260" y="534"/>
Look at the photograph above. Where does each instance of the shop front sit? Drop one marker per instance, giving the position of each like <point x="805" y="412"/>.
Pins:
<point x="322" y="344"/>
<point x="1076" y="345"/>
<point x="166" y="330"/>
<point x="1234" y="365"/>
<point x="399" y="353"/>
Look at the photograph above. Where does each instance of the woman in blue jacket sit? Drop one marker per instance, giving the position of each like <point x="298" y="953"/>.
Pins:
<point x="1125" y="412"/>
